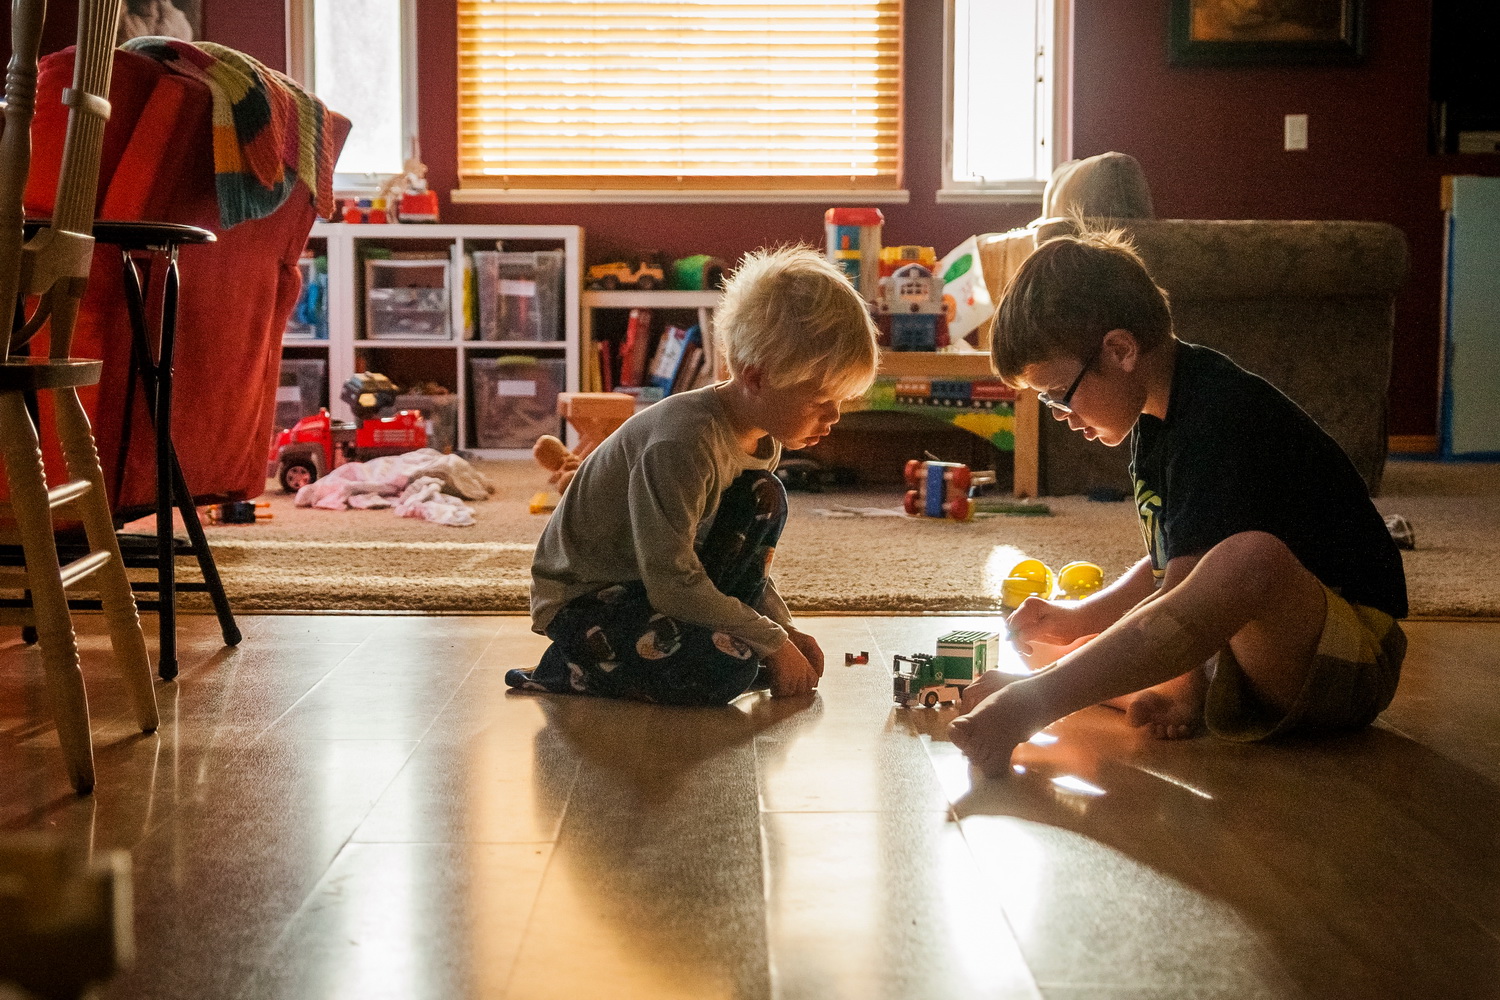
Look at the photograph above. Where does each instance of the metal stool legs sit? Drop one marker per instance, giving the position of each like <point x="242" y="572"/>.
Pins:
<point x="171" y="487"/>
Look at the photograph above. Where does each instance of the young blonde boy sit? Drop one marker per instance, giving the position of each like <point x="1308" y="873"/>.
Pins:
<point x="1268" y="600"/>
<point x="651" y="577"/>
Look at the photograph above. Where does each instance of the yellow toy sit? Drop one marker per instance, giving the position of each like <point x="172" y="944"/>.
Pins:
<point x="1078" y="580"/>
<point x="1027" y="578"/>
<point x="1032" y="577"/>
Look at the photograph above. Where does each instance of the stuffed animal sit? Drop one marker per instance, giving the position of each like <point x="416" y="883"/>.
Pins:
<point x="554" y="456"/>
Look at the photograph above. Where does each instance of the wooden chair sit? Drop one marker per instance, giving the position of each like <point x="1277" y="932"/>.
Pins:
<point x="54" y="264"/>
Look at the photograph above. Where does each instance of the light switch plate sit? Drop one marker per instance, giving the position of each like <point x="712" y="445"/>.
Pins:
<point x="1295" y="133"/>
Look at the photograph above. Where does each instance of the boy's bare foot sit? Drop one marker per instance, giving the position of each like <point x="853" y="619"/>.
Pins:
<point x="1171" y="710"/>
<point x="1000" y="723"/>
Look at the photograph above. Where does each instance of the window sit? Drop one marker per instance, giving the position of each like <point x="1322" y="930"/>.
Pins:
<point x="679" y="96"/>
<point x="1005" y="116"/>
<point x="359" y="57"/>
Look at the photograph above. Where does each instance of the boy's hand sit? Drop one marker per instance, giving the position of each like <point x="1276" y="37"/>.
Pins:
<point x="791" y="673"/>
<point x="809" y="648"/>
<point x="1052" y="622"/>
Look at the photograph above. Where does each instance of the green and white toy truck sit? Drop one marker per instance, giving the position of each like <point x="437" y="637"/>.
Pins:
<point x="925" y="679"/>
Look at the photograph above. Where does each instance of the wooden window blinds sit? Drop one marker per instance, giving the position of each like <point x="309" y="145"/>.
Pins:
<point x="692" y="94"/>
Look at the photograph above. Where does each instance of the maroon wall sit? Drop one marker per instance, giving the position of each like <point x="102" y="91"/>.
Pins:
<point x="256" y="27"/>
<point x="1210" y="140"/>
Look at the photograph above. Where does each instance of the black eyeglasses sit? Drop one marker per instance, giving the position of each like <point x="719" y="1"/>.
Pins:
<point x="1064" y="406"/>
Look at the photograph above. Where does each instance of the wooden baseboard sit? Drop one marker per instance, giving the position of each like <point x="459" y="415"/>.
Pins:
<point x="1412" y="444"/>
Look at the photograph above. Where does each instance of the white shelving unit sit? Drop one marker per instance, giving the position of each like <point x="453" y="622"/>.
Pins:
<point x="346" y="308"/>
<point x="662" y="301"/>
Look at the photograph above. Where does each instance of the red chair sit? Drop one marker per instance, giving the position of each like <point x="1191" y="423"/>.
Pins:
<point x="235" y="298"/>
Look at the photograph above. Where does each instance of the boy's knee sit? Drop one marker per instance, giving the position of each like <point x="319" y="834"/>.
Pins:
<point x="768" y="495"/>
<point x="759" y="493"/>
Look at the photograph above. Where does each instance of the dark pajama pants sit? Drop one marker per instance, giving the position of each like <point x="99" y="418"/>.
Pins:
<point x="612" y="643"/>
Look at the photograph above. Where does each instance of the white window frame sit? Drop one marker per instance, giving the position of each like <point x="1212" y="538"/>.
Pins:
<point x="1056" y="131"/>
<point x="299" y="62"/>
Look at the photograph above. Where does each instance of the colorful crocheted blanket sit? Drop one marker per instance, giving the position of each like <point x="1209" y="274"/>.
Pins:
<point x="269" y="133"/>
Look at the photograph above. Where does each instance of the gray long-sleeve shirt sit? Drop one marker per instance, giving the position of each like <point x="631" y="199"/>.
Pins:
<point x="638" y="507"/>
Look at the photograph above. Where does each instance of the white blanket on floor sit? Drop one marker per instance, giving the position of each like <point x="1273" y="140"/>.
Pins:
<point x="424" y="484"/>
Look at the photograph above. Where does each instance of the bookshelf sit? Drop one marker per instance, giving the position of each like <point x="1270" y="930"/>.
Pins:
<point x="429" y="358"/>
<point x="606" y="314"/>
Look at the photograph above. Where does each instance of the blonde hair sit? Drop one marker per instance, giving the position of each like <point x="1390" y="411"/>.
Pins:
<point x="1068" y="294"/>
<point x="795" y="316"/>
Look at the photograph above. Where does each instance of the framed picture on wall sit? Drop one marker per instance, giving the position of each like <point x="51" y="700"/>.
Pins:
<point x="1265" y="32"/>
<point x="173" y="18"/>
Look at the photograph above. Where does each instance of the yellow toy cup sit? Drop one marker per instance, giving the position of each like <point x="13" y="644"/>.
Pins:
<point x="1027" y="578"/>
<point x="1032" y="569"/>
<point x="1015" y="589"/>
<point x="1078" y="580"/>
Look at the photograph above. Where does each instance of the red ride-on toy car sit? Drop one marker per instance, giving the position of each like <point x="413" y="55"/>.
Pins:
<point x="318" y="444"/>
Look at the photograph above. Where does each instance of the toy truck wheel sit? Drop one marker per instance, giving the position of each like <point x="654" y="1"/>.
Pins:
<point x="297" y="474"/>
<point x="609" y="282"/>
<point x="646" y="282"/>
<point x="960" y="508"/>
<point x="961" y="479"/>
<point x="930" y="699"/>
<point x="913" y="503"/>
<point x="913" y="471"/>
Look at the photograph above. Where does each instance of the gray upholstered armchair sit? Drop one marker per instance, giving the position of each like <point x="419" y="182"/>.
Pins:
<point x="1309" y="306"/>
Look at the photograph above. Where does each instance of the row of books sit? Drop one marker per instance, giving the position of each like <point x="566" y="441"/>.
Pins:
<point x="676" y="361"/>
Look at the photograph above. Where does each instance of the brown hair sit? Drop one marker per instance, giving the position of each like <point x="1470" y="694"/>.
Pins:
<point x="1068" y="294"/>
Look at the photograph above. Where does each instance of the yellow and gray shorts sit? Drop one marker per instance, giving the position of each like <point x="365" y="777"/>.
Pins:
<point x="1351" y="680"/>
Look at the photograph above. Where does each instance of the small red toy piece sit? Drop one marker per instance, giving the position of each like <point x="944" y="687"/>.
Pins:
<point x="939" y="489"/>
<point x="862" y="657"/>
<point x="418" y="206"/>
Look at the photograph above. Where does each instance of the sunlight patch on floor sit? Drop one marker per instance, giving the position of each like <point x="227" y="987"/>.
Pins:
<point x="998" y="566"/>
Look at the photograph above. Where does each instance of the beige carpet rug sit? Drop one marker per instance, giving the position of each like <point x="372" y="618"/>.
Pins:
<point x="372" y="560"/>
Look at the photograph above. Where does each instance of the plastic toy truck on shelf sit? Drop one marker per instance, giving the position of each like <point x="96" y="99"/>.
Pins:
<point x="927" y="679"/>
<point x="316" y="445"/>
<point x="644" y="274"/>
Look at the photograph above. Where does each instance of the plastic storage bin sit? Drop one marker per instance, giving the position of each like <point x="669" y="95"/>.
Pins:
<point x="407" y="300"/>
<point x="441" y="413"/>
<point x="513" y="399"/>
<point x="519" y="294"/>
<point x="309" y="319"/>
<point x="300" y="393"/>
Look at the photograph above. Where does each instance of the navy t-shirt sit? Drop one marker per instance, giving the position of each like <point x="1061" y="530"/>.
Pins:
<point x="1234" y="454"/>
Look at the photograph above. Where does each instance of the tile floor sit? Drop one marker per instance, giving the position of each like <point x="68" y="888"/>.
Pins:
<point x="353" y="807"/>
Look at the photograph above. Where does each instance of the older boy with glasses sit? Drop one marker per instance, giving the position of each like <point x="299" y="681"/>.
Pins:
<point x="1268" y="601"/>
